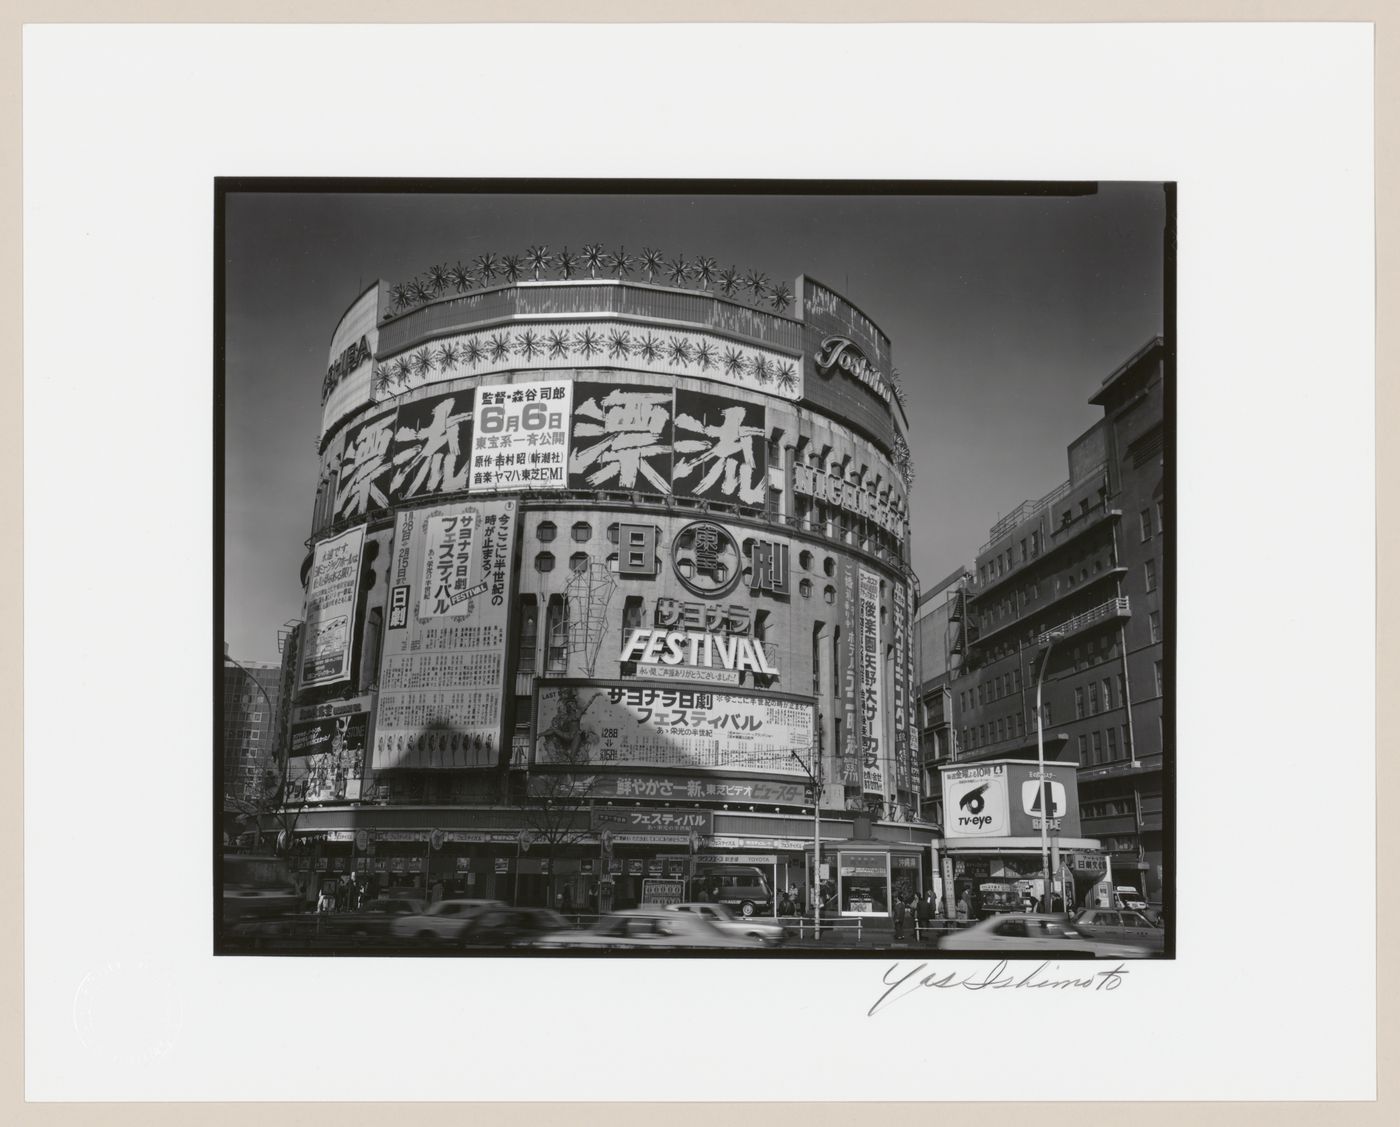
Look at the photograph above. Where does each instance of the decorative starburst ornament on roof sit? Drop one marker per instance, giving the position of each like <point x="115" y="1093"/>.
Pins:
<point x="730" y="281"/>
<point x="437" y="278"/>
<point x="473" y="352"/>
<point x="678" y="270"/>
<point x="621" y="262"/>
<point x="589" y="343"/>
<point x="567" y="262"/>
<point x="558" y="344"/>
<point x="756" y="282"/>
<point x="422" y="362"/>
<point x="461" y="277"/>
<point x="594" y="259"/>
<point x="705" y="271"/>
<point x="447" y="357"/>
<point x="619" y="344"/>
<point x="782" y="297"/>
<point x="529" y="344"/>
<point x="536" y="259"/>
<point x="510" y="268"/>
<point x="652" y="262"/>
<point x="487" y="267"/>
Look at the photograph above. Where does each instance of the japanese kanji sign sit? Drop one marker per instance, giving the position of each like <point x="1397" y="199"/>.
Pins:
<point x="671" y="820"/>
<point x="431" y="449"/>
<point x="872" y="707"/>
<point x="365" y="469"/>
<point x="331" y="591"/>
<point x="443" y="675"/>
<point x="631" y="726"/>
<point x="621" y="438"/>
<point x="766" y="792"/>
<point x="721" y="449"/>
<point x="521" y="437"/>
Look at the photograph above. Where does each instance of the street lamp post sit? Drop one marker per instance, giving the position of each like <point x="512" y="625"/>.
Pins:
<point x="1049" y="640"/>
<point x="815" y="775"/>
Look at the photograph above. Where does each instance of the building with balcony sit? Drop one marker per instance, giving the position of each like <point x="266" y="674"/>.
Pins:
<point x="1085" y="565"/>
<point x="940" y="643"/>
<point x="599" y="568"/>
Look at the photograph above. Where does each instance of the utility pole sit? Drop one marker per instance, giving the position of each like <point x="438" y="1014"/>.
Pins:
<point x="814" y="772"/>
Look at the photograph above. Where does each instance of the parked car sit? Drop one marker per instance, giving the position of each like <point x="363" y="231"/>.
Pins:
<point x="512" y="927"/>
<point x="646" y="929"/>
<point x="1035" y="934"/>
<point x="1120" y="927"/>
<point x="373" y="921"/>
<point x="443" y="922"/>
<point x="742" y="887"/>
<point x="769" y="935"/>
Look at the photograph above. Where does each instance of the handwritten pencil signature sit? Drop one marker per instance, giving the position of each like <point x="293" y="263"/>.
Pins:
<point x="900" y="984"/>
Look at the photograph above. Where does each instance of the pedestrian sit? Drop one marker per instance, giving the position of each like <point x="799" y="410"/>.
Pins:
<point x="965" y="906"/>
<point x="924" y="912"/>
<point x="898" y="918"/>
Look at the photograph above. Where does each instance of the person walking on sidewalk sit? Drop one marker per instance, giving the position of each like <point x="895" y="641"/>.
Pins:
<point x="925" y="914"/>
<point x="898" y="918"/>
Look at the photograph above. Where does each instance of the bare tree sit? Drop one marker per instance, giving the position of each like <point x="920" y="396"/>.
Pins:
<point x="561" y="783"/>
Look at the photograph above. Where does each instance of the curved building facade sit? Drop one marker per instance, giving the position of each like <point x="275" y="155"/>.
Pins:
<point x="600" y="569"/>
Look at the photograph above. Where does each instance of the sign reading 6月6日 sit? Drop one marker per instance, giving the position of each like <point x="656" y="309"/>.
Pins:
<point x="521" y="437"/>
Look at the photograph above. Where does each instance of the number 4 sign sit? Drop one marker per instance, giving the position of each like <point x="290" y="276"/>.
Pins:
<point x="1030" y="798"/>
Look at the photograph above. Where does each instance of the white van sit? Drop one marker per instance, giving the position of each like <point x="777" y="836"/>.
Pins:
<point x="1126" y="896"/>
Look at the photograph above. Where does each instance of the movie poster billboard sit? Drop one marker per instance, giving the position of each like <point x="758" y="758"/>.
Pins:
<point x="432" y="447"/>
<point x="620" y="725"/>
<point x="521" y="437"/>
<point x="620" y="438"/>
<point x="720" y="449"/>
<point x="872" y="705"/>
<point x="442" y="678"/>
<point x="365" y="468"/>
<point x="331" y="590"/>
<point x="326" y="757"/>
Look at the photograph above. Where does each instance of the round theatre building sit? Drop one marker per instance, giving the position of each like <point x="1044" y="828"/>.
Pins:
<point x="601" y="569"/>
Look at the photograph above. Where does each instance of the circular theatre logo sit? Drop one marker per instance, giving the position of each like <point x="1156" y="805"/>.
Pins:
<point x="706" y="558"/>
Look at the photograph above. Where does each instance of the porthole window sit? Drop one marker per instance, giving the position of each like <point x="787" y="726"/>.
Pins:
<point x="582" y="532"/>
<point x="804" y="560"/>
<point x="578" y="561"/>
<point x="546" y="531"/>
<point x="828" y="567"/>
<point x="805" y="588"/>
<point x="829" y="593"/>
<point x="544" y="561"/>
<point x="612" y="534"/>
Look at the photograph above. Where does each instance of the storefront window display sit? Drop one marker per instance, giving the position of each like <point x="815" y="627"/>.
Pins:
<point x="865" y="884"/>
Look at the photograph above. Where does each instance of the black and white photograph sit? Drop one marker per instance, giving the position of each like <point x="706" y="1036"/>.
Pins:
<point x="746" y="569"/>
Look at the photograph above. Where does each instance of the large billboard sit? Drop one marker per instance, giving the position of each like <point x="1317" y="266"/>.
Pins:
<point x="366" y="467"/>
<point x="1002" y="798"/>
<point x="431" y="448"/>
<point x="616" y="725"/>
<point x="350" y="363"/>
<point x="633" y="785"/>
<point x="872" y="698"/>
<point x="442" y="679"/>
<point x="331" y="591"/>
<point x="326" y="759"/>
<point x="721" y="449"/>
<point x="522" y="437"/>
<point x="621" y="438"/>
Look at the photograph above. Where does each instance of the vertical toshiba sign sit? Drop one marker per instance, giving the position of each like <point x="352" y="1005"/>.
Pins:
<point x="350" y="364"/>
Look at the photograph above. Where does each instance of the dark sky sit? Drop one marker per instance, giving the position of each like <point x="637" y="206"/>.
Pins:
<point x="1005" y="314"/>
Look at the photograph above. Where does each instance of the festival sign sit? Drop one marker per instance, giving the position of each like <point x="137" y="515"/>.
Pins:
<point x="767" y="792"/>
<point x="621" y="438"/>
<point x="521" y="437"/>
<point x="331" y="590"/>
<point x="431" y="448"/>
<point x="872" y="705"/>
<point x="720" y="449"/>
<point x="625" y="725"/>
<point x="442" y="678"/>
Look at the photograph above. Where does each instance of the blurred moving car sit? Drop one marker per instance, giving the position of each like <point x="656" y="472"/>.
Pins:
<point x="443" y="922"/>
<point x="646" y="929"/>
<point x="1120" y="927"/>
<point x="1035" y="934"/>
<point x="512" y="927"/>
<point x="1126" y="896"/>
<point x="769" y="935"/>
<point x="373" y="921"/>
<point x="256" y="887"/>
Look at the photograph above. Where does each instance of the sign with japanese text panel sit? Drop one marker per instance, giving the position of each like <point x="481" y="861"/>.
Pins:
<point x="331" y="592"/>
<point x="521" y="437"/>
<point x="630" y="820"/>
<point x="326" y="759"/>
<point x="365" y="468"/>
<point x="442" y="678"/>
<point x="720" y="449"/>
<point x="619" y="725"/>
<point x="766" y="792"/>
<point x="872" y="705"/>
<point x="975" y="801"/>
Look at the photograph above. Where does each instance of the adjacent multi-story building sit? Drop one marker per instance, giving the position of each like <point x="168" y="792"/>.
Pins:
<point x="601" y="567"/>
<point x="1079" y="574"/>
<point x="940" y="628"/>
<point x="252" y="698"/>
